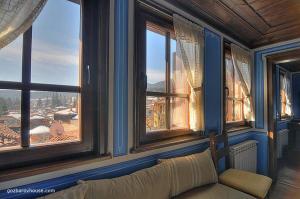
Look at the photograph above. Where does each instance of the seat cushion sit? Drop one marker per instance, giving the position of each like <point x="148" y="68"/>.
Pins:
<point x="153" y="182"/>
<point x="76" y="192"/>
<point x="252" y="183"/>
<point x="191" y="171"/>
<point x="214" y="191"/>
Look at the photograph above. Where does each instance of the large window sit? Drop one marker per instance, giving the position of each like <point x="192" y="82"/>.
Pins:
<point x="285" y="95"/>
<point x="162" y="90"/>
<point x="45" y="78"/>
<point x="236" y="101"/>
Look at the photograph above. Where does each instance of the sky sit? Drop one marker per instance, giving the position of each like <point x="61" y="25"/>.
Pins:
<point x="55" y="47"/>
<point x="156" y="63"/>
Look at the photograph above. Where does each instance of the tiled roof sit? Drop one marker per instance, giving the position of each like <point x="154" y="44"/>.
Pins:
<point x="6" y="132"/>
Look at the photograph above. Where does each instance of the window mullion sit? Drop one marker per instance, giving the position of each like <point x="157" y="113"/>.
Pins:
<point x="26" y="78"/>
<point x="168" y="104"/>
<point x="233" y="107"/>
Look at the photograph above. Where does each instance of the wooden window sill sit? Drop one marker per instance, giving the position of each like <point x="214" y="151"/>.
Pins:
<point x="12" y="174"/>
<point x="237" y="128"/>
<point x="168" y="142"/>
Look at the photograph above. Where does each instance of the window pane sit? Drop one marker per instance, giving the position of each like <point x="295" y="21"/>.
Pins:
<point x="156" y="61"/>
<point x="229" y="110"/>
<point x="238" y="90"/>
<point x="10" y="118"/>
<point x="54" y="117"/>
<point x="155" y="113"/>
<point x="179" y="81"/>
<point x="238" y="111"/>
<point x="179" y="113"/>
<point x="11" y="61"/>
<point x="55" y="44"/>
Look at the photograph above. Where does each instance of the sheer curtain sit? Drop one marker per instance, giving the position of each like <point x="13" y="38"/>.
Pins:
<point x="190" y="50"/>
<point x="242" y="63"/>
<point x="16" y="16"/>
<point x="286" y="86"/>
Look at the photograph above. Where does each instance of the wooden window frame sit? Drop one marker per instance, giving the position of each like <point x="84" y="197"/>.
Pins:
<point x="95" y="23"/>
<point x="142" y="137"/>
<point x="236" y="125"/>
<point x="284" y="117"/>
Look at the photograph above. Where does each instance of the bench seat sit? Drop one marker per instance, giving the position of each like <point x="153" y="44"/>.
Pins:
<point x="214" y="191"/>
<point x="251" y="183"/>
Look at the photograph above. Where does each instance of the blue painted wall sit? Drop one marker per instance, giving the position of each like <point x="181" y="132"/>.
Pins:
<point x="213" y="90"/>
<point x="296" y="95"/>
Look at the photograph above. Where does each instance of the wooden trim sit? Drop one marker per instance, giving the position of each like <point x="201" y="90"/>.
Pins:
<point x="219" y="153"/>
<point x="272" y="134"/>
<point x="37" y="169"/>
<point x="167" y="142"/>
<point x="25" y="94"/>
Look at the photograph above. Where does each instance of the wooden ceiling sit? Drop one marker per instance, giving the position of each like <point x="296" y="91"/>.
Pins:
<point x="253" y="22"/>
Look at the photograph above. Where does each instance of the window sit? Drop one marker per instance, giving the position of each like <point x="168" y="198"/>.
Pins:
<point x="235" y="98"/>
<point x="162" y="89"/>
<point x="45" y="78"/>
<point x="285" y="95"/>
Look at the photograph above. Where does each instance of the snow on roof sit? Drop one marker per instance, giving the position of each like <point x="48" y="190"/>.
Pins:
<point x="65" y="112"/>
<point x="39" y="130"/>
<point x="36" y="117"/>
<point x="75" y="117"/>
<point x="15" y="115"/>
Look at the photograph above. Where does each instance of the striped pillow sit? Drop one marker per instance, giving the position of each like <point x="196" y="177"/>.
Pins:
<point x="191" y="171"/>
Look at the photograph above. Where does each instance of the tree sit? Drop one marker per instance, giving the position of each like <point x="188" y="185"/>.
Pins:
<point x="3" y="106"/>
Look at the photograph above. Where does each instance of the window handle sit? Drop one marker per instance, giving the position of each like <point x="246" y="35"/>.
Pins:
<point x="88" y="74"/>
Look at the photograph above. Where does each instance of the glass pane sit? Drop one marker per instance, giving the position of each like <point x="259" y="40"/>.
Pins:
<point x="156" y="61"/>
<point x="238" y="111"/>
<point x="179" y="81"/>
<point x="10" y="118"/>
<point x="55" y="44"/>
<point x="229" y="75"/>
<point x="11" y="61"/>
<point x="155" y="113"/>
<point x="229" y="110"/>
<point x="54" y="117"/>
<point x="179" y="113"/>
<point x="238" y="90"/>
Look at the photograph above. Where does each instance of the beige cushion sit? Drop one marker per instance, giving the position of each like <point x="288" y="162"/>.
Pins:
<point x="254" y="184"/>
<point x="148" y="183"/>
<point x="76" y="192"/>
<point x="214" y="191"/>
<point x="191" y="171"/>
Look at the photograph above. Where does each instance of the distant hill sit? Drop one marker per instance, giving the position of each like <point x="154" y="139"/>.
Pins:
<point x="34" y="95"/>
<point x="156" y="87"/>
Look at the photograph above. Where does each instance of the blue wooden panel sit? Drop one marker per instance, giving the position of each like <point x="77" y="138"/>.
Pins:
<point x="259" y="91"/>
<point x="296" y="95"/>
<point x="121" y="78"/>
<point x="213" y="90"/>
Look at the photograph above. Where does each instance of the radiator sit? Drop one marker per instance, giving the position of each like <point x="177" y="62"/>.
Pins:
<point x="282" y="141"/>
<point x="243" y="156"/>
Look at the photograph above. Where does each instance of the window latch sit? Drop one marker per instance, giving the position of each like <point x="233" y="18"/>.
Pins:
<point x="88" y="74"/>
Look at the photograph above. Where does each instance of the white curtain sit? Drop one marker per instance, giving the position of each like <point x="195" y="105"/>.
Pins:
<point x="287" y="94"/>
<point x="242" y="63"/>
<point x="190" y="49"/>
<point x="16" y="16"/>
